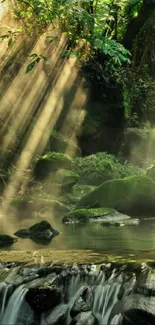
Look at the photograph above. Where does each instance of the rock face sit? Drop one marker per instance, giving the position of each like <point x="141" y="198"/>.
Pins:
<point x="139" y="310"/>
<point x="42" y="232"/>
<point x="83" y="303"/>
<point x="132" y="195"/>
<point x="43" y="298"/>
<point x="6" y="240"/>
<point x="52" y="161"/>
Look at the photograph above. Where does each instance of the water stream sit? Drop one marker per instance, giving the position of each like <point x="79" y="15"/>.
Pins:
<point x="60" y="295"/>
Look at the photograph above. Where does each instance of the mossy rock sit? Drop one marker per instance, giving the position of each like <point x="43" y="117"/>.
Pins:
<point x="132" y="195"/>
<point x="40" y="232"/>
<point x="50" y="162"/>
<point x="150" y="172"/>
<point x="82" y="215"/>
<point x="66" y="178"/>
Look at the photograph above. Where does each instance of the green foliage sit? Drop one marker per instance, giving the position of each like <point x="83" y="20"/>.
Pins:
<point x="97" y="23"/>
<point x="35" y="58"/>
<point x="97" y="168"/>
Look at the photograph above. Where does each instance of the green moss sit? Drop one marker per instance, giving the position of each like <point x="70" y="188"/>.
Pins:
<point x="52" y="161"/>
<point x="86" y="214"/>
<point x="129" y="195"/>
<point x="100" y="167"/>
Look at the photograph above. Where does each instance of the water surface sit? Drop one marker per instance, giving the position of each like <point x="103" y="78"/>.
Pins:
<point x="93" y="236"/>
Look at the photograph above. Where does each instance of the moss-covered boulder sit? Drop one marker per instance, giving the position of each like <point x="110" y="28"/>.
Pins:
<point x="82" y="215"/>
<point x="50" y="162"/>
<point x="150" y="172"/>
<point x="131" y="195"/>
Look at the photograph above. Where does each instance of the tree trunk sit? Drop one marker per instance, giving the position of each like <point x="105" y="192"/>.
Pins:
<point x="137" y="23"/>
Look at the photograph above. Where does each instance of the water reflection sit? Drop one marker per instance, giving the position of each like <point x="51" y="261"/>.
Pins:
<point x="93" y="236"/>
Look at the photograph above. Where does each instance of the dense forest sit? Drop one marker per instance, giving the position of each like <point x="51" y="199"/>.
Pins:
<point x="77" y="106"/>
<point x="77" y="162"/>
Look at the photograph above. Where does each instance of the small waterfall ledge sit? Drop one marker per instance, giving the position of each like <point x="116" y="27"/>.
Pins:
<point x="84" y="295"/>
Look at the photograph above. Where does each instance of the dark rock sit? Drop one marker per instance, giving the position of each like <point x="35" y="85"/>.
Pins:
<point x="83" y="303"/>
<point x="6" y="240"/>
<point x="44" y="298"/>
<point x="22" y="233"/>
<point x="138" y="317"/>
<point x="42" y="232"/>
<point x="58" y="315"/>
<point x="84" y="318"/>
<point x="139" y="310"/>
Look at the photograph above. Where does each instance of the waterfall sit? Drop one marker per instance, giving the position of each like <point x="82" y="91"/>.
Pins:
<point x="53" y="295"/>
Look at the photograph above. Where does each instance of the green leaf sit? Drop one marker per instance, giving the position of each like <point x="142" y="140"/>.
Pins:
<point x="10" y="42"/>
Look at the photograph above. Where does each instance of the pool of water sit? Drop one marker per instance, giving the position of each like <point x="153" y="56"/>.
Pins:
<point x="92" y="236"/>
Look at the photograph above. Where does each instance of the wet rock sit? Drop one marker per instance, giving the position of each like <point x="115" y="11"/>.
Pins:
<point x="22" y="233"/>
<point x="139" y="310"/>
<point x="6" y="240"/>
<point x="83" y="303"/>
<point x="130" y="222"/>
<point x="57" y="316"/>
<point x="41" y="231"/>
<point x="43" y="298"/>
<point x="84" y="318"/>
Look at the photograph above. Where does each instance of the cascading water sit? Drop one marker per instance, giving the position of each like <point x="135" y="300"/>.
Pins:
<point x="59" y="295"/>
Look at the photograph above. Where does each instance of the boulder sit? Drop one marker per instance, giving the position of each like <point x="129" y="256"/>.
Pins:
<point x="6" y="240"/>
<point x="50" y="162"/>
<point x="41" y="232"/>
<point x="82" y="215"/>
<point x="43" y="298"/>
<point x="138" y="309"/>
<point x="132" y="195"/>
<point x="83" y="303"/>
